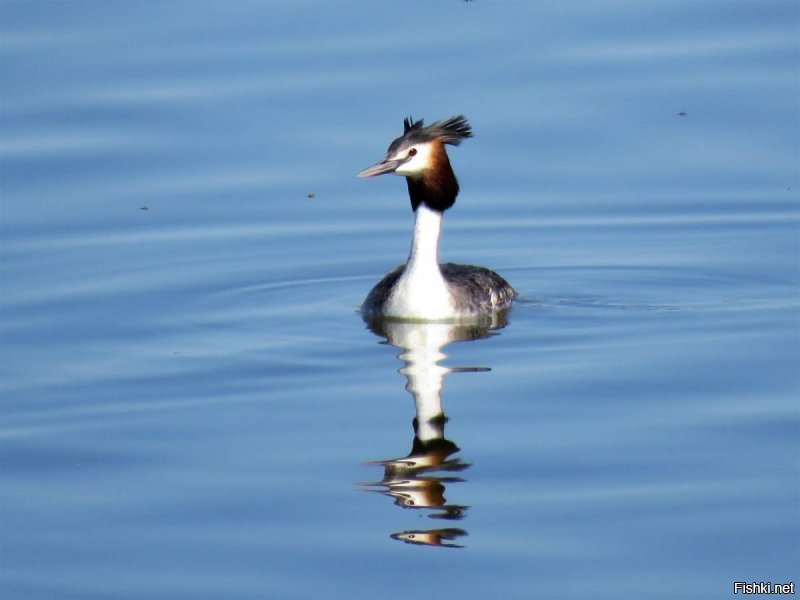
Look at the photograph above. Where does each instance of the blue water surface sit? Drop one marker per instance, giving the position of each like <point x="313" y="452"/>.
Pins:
<point x="192" y="406"/>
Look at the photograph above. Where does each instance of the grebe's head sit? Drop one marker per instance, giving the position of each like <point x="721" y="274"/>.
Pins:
<point x="421" y="149"/>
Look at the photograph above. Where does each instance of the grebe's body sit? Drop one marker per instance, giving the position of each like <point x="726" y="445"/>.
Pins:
<point x="423" y="289"/>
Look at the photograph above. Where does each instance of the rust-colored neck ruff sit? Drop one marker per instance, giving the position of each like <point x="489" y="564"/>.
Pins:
<point x="437" y="186"/>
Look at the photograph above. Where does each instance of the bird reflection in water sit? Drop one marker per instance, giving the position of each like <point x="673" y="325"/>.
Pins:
<point x="420" y="479"/>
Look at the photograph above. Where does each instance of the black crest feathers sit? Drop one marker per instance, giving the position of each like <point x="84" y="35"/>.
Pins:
<point x="450" y="131"/>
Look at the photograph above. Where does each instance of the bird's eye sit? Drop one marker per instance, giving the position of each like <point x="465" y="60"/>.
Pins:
<point x="412" y="152"/>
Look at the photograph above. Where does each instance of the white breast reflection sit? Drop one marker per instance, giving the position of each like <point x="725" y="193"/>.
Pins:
<point x="422" y="479"/>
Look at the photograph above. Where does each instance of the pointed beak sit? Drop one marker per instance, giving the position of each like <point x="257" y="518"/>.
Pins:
<point x="381" y="168"/>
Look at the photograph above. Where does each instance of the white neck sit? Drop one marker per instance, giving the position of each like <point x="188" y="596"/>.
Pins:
<point x="425" y="243"/>
<point x="422" y="293"/>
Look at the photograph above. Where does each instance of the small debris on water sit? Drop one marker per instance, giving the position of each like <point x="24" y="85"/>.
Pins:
<point x="682" y="114"/>
<point x="311" y="195"/>
<point x="144" y="207"/>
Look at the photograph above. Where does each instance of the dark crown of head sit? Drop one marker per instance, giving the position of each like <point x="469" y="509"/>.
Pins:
<point x="449" y="131"/>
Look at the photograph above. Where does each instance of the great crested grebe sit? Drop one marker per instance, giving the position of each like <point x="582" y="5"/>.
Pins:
<point x="422" y="289"/>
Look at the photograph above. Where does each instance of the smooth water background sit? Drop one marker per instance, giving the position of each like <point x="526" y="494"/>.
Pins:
<point x="189" y="396"/>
